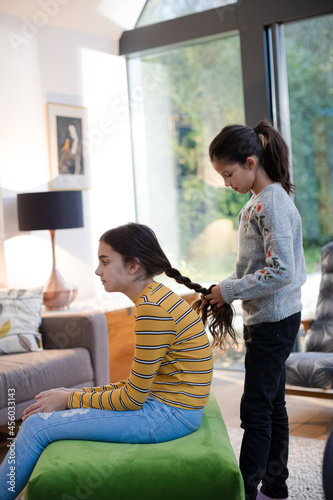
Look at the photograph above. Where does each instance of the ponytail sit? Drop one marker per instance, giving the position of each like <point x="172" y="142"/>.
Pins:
<point x="275" y="158"/>
<point x="235" y="143"/>
<point x="139" y="241"/>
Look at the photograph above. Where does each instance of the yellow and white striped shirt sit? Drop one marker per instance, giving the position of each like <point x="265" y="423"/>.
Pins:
<point x="172" y="358"/>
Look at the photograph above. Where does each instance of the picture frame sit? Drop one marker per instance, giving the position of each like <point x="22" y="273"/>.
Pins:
<point x="69" y="155"/>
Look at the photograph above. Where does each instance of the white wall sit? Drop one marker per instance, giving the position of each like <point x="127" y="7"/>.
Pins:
<point x="54" y="64"/>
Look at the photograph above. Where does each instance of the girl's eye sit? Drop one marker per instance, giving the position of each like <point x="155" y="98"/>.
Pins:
<point x="104" y="262"/>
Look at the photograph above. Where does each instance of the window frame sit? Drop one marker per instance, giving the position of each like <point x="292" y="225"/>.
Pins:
<point x="257" y="22"/>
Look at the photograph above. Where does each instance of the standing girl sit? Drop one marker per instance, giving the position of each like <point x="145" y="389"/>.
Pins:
<point x="169" y="383"/>
<point x="270" y="270"/>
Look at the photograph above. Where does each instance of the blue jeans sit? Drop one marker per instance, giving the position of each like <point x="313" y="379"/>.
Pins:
<point x="154" y="423"/>
<point x="264" y="450"/>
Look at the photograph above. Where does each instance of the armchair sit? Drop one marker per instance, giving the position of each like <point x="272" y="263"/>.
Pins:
<point x="312" y="370"/>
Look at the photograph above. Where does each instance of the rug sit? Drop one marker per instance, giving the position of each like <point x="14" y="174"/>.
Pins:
<point x="305" y="465"/>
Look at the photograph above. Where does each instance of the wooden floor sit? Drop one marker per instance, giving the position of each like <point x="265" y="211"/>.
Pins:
<point x="308" y="417"/>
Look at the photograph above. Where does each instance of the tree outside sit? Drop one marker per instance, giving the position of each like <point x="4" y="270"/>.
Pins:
<point x="201" y="93"/>
<point x="309" y="56"/>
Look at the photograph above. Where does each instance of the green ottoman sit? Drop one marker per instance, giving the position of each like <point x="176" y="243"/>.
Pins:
<point x="199" y="466"/>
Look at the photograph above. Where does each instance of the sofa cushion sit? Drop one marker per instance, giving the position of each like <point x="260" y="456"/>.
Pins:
<point x="33" y="372"/>
<point x="20" y="318"/>
<point x="310" y="369"/>
<point x="320" y="334"/>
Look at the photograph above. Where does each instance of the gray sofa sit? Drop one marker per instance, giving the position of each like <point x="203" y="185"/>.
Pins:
<point x="75" y="354"/>
<point x="312" y="369"/>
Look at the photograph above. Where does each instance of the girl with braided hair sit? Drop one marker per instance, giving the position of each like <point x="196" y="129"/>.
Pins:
<point x="270" y="270"/>
<point x="169" y="383"/>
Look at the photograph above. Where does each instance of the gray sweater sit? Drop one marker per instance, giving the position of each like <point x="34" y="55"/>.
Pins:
<point x="270" y="267"/>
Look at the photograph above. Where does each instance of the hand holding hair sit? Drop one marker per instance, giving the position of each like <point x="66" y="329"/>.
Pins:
<point x="215" y="296"/>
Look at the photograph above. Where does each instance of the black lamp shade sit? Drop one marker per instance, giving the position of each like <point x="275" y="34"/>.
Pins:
<point x="50" y="210"/>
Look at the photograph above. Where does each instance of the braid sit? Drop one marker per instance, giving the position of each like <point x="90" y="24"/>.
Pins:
<point x="221" y="318"/>
<point x="183" y="280"/>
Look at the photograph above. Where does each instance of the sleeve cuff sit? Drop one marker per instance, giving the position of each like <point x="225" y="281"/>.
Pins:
<point x="227" y="291"/>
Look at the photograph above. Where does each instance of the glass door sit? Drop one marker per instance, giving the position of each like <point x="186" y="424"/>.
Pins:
<point x="180" y="99"/>
<point x="309" y="62"/>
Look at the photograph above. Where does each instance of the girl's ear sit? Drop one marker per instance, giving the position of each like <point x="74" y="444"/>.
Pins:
<point x="251" y="162"/>
<point x="134" y="265"/>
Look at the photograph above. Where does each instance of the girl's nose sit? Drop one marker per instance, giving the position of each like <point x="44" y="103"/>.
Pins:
<point x="97" y="271"/>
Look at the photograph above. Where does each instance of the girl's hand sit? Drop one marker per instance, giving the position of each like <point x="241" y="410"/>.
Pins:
<point x="203" y="301"/>
<point x="47" y="401"/>
<point x="215" y="297"/>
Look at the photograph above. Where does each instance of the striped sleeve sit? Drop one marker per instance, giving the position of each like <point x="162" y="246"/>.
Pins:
<point x="107" y="387"/>
<point x="154" y="332"/>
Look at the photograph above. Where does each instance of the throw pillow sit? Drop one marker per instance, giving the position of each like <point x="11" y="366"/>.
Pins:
<point x="20" y="318"/>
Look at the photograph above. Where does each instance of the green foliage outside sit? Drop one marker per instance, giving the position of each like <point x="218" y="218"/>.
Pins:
<point x="204" y="91"/>
<point x="309" y="54"/>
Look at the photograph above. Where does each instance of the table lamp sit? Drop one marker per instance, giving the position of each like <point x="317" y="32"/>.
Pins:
<point x="52" y="210"/>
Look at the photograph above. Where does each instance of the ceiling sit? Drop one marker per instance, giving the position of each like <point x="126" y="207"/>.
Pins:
<point x="105" y="18"/>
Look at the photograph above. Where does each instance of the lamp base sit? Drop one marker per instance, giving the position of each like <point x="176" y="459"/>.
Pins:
<point x="58" y="294"/>
<point x="59" y="299"/>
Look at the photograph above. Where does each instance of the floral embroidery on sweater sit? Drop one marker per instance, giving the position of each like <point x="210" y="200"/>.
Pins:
<point x="264" y="273"/>
<point x="255" y="212"/>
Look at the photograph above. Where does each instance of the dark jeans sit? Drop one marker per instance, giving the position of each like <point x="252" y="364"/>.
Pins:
<point x="264" y="451"/>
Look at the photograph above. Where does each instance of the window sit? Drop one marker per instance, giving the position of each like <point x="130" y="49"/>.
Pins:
<point x="156" y="11"/>
<point x="190" y="76"/>
<point x="309" y="58"/>
<point x="180" y="99"/>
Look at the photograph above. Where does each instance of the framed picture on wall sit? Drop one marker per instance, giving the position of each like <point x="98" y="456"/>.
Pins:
<point x="69" y="159"/>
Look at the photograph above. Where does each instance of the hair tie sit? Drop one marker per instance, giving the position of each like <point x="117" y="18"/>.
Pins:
<point x="263" y="140"/>
<point x="261" y="137"/>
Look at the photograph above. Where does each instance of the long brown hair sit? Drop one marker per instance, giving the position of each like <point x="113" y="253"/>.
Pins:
<point x="135" y="240"/>
<point x="235" y="143"/>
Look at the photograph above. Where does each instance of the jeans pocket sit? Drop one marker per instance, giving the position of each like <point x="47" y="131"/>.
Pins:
<point x="191" y="418"/>
<point x="172" y="426"/>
